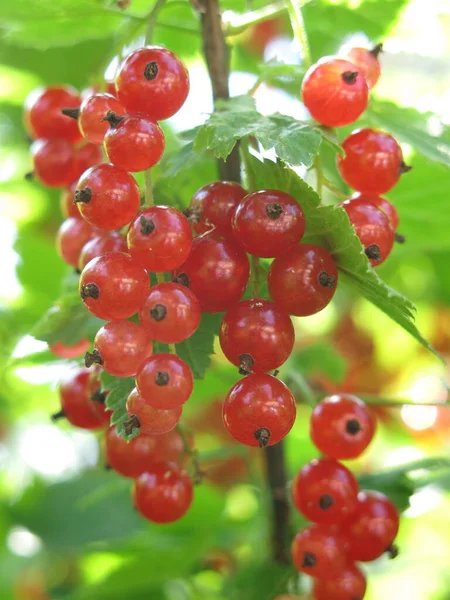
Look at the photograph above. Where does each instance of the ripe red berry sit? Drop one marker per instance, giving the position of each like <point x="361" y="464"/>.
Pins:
<point x="259" y="410"/>
<point x="105" y="241"/>
<point x="113" y="286"/>
<point x="120" y="347"/>
<point x="325" y="491"/>
<point x="217" y="271"/>
<point x="73" y="234"/>
<point x="349" y="584"/>
<point x="319" y="552"/>
<point x="165" y="381"/>
<point x="268" y="223"/>
<point x="335" y="92"/>
<point x="382" y="203"/>
<point x="160" y="238"/>
<point x="149" y="420"/>
<point x="171" y="313"/>
<point x="341" y="426"/>
<point x="303" y="281"/>
<point x="152" y="81"/>
<point x="111" y="88"/>
<point x="256" y="335"/>
<point x="92" y="110"/>
<point x="134" y="142"/>
<point x="373" y="161"/>
<point x="76" y="393"/>
<point x="62" y="350"/>
<point x="367" y="61"/>
<point x="67" y="205"/>
<point x="107" y="197"/>
<point x="373" y="228"/>
<point x="372" y="527"/>
<point x="214" y="205"/>
<point x="54" y="162"/>
<point x="43" y="116"/>
<point x="86" y="157"/>
<point x="163" y="494"/>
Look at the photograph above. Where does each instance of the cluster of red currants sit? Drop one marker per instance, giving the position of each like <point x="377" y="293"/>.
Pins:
<point x="336" y="93"/>
<point x="349" y="525"/>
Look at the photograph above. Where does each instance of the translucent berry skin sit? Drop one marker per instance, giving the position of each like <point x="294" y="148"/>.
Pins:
<point x="73" y="234"/>
<point x="268" y="223"/>
<point x="368" y="62"/>
<point x="335" y="92"/>
<point x="134" y="144"/>
<point x="54" y="162"/>
<point x="382" y="203"/>
<point x="163" y="494"/>
<point x="372" y="162"/>
<point x="342" y="426"/>
<point x="325" y="492"/>
<point x="122" y="346"/>
<point x="112" y="286"/>
<point x="373" y="228"/>
<point x="152" y="421"/>
<point x="158" y="97"/>
<point x="43" y="116"/>
<point x="259" y="330"/>
<point x="349" y="584"/>
<point x="372" y="527"/>
<point x="92" y="110"/>
<point x="68" y="208"/>
<point x="217" y="271"/>
<point x="160" y="238"/>
<point x="259" y="402"/>
<point x="107" y="241"/>
<point x="72" y="351"/>
<point x="304" y="281"/>
<point x="165" y="381"/>
<point x="214" y="205"/>
<point x="107" y="197"/>
<point x="319" y="552"/>
<point x="75" y="393"/>
<point x="86" y="157"/>
<point x="171" y="313"/>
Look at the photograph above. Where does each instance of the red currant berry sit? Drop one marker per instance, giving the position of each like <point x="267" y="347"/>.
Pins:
<point x="67" y="205"/>
<point x="349" y="584"/>
<point x="319" y="552"/>
<point x="72" y="351"/>
<point x="256" y="335"/>
<point x="160" y="238"/>
<point x="113" y="286"/>
<point x="107" y="241"/>
<point x="325" y="491"/>
<point x="268" y="223"/>
<point x="120" y="347"/>
<point x="304" y="281"/>
<point x="171" y="313"/>
<point x="73" y="234"/>
<point x="217" y="271"/>
<point x="76" y="393"/>
<point x="111" y="88"/>
<point x="367" y="61"/>
<point x="373" y="228"/>
<point x="373" y="161"/>
<point x="163" y="494"/>
<point x="152" y="81"/>
<point x="54" y="162"/>
<point x="372" y="527"/>
<point x="214" y="205"/>
<point x="43" y="116"/>
<point x="149" y="420"/>
<point x="86" y="157"/>
<point x="335" y="92"/>
<point x="259" y="410"/>
<point x="92" y="111"/>
<point x="382" y="203"/>
<point x="341" y="426"/>
<point x="107" y="197"/>
<point x="133" y="143"/>
<point x="165" y="381"/>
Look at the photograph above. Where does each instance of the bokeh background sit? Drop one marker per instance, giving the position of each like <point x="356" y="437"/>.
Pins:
<point x="67" y="528"/>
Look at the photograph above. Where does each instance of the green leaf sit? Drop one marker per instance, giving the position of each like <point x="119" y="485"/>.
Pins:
<point x="294" y="142"/>
<point x="197" y="350"/>
<point x="118" y="389"/>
